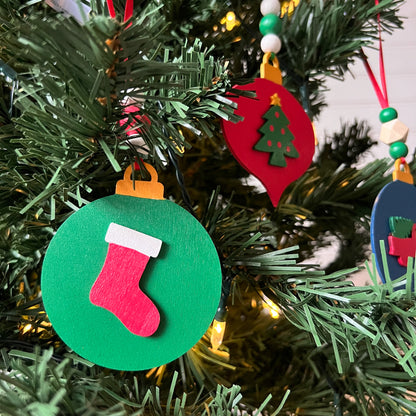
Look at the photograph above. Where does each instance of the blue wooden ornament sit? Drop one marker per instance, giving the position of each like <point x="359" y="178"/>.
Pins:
<point x="397" y="199"/>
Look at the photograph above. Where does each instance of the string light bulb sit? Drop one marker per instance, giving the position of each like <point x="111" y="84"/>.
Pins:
<point x="26" y="328"/>
<point x="288" y="6"/>
<point x="217" y="333"/>
<point x="315" y="134"/>
<point x="230" y="21"/>
<point x="272" y="308"/>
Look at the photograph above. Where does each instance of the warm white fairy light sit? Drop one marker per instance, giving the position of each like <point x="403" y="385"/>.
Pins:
<point x="289" y="6"/>
<point x="26" y="328"/>
<point x="273" y="309"/>
<point x="315" y="134"/>
<point x="217" y="333"/>
<point x="230" y="21"/>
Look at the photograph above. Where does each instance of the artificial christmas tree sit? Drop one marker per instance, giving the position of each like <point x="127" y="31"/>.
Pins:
<point x="83" y="98"/>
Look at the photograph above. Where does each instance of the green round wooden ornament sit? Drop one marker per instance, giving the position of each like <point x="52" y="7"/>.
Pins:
<point x="270" y="24"/>
<point x="131" y="282"/>
<point x="388" y="114"/>
<point x="398" y="149"/>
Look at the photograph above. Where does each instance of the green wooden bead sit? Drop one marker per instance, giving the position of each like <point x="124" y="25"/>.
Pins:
<point x="387" y="114"/>
<point x="398" y="149"/>
<point x="270" y="24"/>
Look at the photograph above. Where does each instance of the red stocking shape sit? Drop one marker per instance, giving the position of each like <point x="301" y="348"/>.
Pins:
<point x="117" y="286"/>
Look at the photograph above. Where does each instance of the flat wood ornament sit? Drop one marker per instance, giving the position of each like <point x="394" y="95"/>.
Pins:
<point x="131" y="281"/>
<point x="392" y="221"/>
<point x="275" y="141"/>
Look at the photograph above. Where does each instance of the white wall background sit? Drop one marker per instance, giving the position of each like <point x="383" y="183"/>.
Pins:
<point x="355" y="97"/>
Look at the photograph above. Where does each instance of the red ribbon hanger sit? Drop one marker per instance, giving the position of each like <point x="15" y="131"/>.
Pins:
<point x="128" y="10"/>
<point x="381" y="91"/>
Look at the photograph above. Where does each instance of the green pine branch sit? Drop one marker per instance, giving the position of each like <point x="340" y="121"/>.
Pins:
<point x="69" y="107"/>
<point x="321" y="38"/>
<point x="41" y="384"/>
<point x="62" y="146"/>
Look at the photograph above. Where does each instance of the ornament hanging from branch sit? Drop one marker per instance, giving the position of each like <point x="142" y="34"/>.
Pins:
<point x="275" y="140"/>
<point x="131" y="281"/>
<point x="394" y="206"/>
<point x="393" y="212"/>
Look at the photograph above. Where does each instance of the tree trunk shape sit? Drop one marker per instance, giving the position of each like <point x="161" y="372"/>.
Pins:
<point x="117" y="286"/>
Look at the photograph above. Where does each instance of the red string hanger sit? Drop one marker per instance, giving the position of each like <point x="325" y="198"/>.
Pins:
<point x="128" y="13"/>
<point x="393" y="132"/>
<point x="128" y="10"/>
<point x="393" y="216"/>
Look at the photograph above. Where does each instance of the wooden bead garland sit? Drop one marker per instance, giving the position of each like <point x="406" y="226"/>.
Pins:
<point x="270" y="26"/>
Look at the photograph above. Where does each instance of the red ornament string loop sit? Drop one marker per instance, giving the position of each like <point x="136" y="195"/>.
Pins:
<point x="128" y="10"/>
<point x="381" y="92"/>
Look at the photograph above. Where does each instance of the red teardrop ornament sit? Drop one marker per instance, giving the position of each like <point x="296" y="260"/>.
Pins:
<point x="275" y="170"/>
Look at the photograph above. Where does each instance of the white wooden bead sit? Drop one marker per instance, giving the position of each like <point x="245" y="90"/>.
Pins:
<point x="270" y="6"/>
<point x="270" y="43"/>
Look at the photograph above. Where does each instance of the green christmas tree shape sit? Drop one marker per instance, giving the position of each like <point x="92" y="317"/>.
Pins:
<point x="401" y="227"/>
<point x="276" y="137"/>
